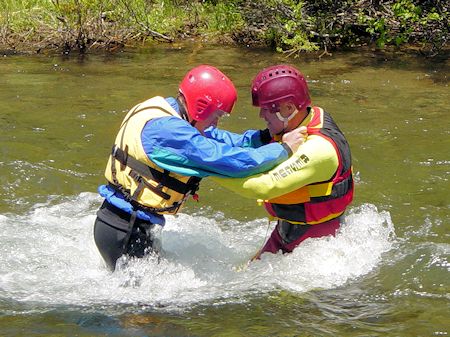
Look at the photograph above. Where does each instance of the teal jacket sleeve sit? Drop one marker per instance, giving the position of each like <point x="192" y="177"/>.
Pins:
<point x="250" y="138"/>
<point x="173" y="144"/>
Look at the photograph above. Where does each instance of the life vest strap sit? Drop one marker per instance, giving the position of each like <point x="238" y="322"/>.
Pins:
<point x="142" y="183"/>
<point x="339" y="189"/>
<point x="137" y="206"/>
<point x="131" y="223"/>
<point x="148" y="172"/>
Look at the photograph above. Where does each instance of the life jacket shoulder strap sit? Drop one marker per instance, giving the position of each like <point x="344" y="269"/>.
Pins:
<point x="143" y="107"/>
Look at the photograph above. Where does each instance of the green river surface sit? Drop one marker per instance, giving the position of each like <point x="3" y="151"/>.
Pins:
<point x="386" y="273"/>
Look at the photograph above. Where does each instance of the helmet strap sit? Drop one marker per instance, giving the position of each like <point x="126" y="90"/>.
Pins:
<point x="183" y="112"/>
<point x="286" y="120"/>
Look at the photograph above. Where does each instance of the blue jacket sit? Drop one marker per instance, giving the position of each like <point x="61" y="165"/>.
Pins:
<point x="173" y="144"/>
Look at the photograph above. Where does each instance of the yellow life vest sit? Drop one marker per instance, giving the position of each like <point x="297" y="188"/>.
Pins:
<point x="144" y="184"/>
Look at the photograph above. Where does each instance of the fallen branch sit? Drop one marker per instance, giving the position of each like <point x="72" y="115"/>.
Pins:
<point x="147" y="29"/>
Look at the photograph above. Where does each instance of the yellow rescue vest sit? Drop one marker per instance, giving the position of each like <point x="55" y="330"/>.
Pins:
<point x="129" y="170"/>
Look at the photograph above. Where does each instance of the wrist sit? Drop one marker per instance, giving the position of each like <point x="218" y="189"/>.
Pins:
<point x="287" y="148"/>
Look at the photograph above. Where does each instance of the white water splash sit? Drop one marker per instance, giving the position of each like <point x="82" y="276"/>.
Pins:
<point x="48" y="256"/>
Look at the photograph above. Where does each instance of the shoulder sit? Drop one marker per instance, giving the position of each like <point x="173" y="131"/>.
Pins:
<point x="318" y="147"/>
<point x="168" y="122"/>
<point x="169" y="127"/>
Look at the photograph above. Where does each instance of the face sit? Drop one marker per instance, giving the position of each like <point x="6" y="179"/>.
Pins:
<point x="274" y="124"/>
<point x="211" y="120"/>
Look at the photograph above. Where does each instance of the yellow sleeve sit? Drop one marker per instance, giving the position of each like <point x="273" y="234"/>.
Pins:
<point x="315" y="160"/>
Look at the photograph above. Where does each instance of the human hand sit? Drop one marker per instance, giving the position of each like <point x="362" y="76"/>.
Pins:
<point x="295" y="138"/>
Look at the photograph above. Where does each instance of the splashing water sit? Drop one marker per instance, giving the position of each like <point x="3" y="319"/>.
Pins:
<point x="49" y="257"/>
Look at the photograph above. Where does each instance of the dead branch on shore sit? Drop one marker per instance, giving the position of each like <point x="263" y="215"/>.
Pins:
<point x="145" y="26"/>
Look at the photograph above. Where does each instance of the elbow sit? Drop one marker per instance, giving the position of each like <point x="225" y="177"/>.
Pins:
<point x="256" y="190"/>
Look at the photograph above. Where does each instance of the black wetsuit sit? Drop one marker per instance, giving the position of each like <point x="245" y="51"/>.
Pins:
<point x="113" y="237"/>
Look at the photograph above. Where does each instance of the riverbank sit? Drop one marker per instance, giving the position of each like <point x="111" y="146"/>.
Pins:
<point x="287" y="26"/>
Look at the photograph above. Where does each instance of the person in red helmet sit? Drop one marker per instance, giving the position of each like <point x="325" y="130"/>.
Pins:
<point x="308" y="192"/>
<point x="164" y="147"/>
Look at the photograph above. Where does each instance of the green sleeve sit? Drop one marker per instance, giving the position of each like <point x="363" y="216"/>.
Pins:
<point x="316" y="160"/>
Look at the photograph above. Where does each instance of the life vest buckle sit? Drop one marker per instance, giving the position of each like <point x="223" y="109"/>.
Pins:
<point x="136" y="176"/>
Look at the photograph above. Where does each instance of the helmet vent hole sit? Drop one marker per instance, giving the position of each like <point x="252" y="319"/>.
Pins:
<point x="202" y="104"/>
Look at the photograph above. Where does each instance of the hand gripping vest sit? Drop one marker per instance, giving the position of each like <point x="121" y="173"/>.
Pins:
<point x="322" y="201"/>
<point x="145" y="185"/>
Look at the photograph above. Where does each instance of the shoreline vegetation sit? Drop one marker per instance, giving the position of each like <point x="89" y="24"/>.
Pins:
<point x="292" y="27"/>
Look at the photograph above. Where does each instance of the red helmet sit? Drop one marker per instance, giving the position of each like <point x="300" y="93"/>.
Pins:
<point x="280" y="83"/>
<point x="206" y="89"/>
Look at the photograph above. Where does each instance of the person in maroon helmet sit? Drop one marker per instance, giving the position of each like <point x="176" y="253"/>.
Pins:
<point x="164" y="147"/>
<point x="308" y="192"/>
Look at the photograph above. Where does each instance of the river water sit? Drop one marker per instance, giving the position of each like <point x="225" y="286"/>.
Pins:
<point x="385" y="273"/>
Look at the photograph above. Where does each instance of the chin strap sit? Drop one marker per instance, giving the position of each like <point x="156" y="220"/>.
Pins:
<point x="286" y="120"/>
<point x="184" y="113"/>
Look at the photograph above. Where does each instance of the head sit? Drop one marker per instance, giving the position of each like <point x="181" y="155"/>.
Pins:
<point x="282" y="95"/>
<point x="208" y="94"/>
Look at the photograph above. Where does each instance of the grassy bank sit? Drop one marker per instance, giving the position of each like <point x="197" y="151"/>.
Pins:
<point x="287" y="26"/>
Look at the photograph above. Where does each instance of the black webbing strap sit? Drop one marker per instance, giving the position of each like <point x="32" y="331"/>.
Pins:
<point x="339" y="190"/>
<point x="131" y="223"/>
<point x="151" y="173"/>
<point x="137" y="206"/>
<point x="142" y="183"/>
<point x="122" y="166"/>
<point x="139" y="187"/>
<point x="290" y="232"/>
<point x="114" y="171"/>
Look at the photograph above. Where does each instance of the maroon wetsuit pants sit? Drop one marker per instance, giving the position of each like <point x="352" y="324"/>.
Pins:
<point x="287" y="236"/>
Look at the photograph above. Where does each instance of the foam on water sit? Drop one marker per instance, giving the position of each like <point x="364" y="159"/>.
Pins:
<point x="48" y="257"/>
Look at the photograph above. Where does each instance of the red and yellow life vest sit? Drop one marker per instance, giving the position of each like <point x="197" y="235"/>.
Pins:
<point x="322" y="201"/>
<point x="129" y="170"/>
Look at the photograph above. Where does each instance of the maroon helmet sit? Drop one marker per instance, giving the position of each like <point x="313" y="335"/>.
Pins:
<point x="277" y="84"/>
